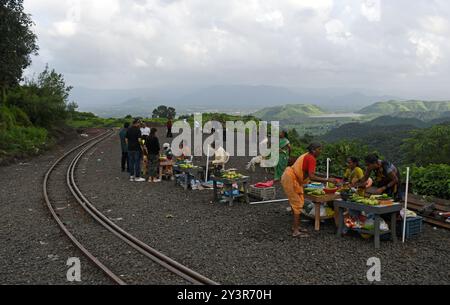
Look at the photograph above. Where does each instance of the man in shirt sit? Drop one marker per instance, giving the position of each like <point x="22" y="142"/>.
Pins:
<point x="133" y="138"/>
<point x="387" y="176"/>
<point x="145" y="130"/>
<point x="125" y="163"/>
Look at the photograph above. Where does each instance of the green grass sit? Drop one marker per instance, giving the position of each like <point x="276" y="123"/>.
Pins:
<point x="19" y="141"/>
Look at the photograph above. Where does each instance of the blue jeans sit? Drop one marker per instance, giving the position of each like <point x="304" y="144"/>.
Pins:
<point x="135" y="163"/>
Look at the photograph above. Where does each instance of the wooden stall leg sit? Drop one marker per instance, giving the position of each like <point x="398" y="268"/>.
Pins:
<point x="377" y="231"/>
<point x="394" y="227"/>
<point x="317" y="216"/>
<point x="247" y="200"/>
<point x="215" y="190"/>
<point x="340" y="223"/>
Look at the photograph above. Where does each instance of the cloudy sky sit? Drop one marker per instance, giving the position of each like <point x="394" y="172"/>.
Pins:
<point x="398" y="47"/>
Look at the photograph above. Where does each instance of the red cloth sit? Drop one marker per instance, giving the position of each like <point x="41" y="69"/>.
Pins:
<point x="309" y="164"/>
<point x="265" y="184"/>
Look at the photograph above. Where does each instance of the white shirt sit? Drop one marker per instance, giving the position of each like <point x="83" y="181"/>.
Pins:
<point x="145" y="131"/>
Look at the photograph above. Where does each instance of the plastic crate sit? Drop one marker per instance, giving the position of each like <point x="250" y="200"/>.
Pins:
<point x="414" y="226"/>
<point x="267" y="193"/>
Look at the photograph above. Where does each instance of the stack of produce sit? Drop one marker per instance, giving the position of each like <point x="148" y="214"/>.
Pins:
<point x="314" y="192"/>
<point x="231" y="175"/>
<point x="187" y="166"/>
<point x="362" y="200"/>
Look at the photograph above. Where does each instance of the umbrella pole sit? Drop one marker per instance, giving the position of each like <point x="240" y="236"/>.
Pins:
<point x="269" y="201"/>
<point x="406" y="204"/>
<point x="207" y="165"/>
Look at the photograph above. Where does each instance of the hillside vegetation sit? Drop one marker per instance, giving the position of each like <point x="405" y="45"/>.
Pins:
<point x="396" y="107"/>
<point x="289" y="112"/>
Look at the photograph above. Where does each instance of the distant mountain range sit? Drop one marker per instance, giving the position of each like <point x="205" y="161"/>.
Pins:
<point x="383" y="134"/>
<point x="411" y="107"/>
<point x="231" y="99"/>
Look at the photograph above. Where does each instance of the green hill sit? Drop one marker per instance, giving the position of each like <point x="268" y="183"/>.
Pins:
<point x="387" y="120"/>
<point x="395" y="107"/>
<point x="289" y="112"/>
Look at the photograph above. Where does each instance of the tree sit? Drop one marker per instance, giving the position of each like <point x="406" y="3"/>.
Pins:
<point x="17" y="43"/>
<point x="44" y="100"/>
<point x="428" y="146"/>
<point x="164" y="112"/>
<point x="339" y="152"/>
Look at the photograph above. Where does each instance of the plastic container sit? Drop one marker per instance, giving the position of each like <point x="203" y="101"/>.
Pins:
<point x="264" y="194"/>
<point x="414" y="226"/>
<point x="330" y="191"/>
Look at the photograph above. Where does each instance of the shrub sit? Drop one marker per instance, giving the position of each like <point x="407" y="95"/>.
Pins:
<point x="432" y="180"/>
<point x="7" y="119"/>
<point x="21" y="117"/>
<point x="23" y="140"/>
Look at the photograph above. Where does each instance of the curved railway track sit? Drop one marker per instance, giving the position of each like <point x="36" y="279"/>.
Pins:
<point x="173" y="266"/>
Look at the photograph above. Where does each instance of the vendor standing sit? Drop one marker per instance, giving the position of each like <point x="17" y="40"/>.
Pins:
<point x="387" y="179"/>
<point x="284" y="154"/>
<point x="293" y="179"/>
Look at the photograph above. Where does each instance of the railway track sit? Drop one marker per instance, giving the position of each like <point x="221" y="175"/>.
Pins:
<point x="70" y="181"/>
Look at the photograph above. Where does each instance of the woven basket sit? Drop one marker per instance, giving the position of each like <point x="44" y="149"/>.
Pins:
<point x="268" y="193"/>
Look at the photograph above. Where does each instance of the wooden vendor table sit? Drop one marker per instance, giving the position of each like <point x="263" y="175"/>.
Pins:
<point x="165" y="165"/>
<point x="318" y="201"/>
<point x="391" y="210"/>
<point x="228" y="186"/>
<point x="187" y="172"/>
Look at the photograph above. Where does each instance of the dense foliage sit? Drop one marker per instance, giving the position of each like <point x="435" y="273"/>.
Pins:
<point x="44" y="100"/>
<point x="17" y="44"/>
<point x="428" y="146"/>
<point x="339" y="153"/>
<point x="90" y="120"/>
<point x="17" y="136"/>
<point x="432" y="180"/>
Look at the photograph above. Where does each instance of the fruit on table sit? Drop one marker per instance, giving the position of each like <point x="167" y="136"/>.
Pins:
<point x="314" y="192"/>
<point x="385" y="197"/>
<point x="365" y="201"/>
<point x="232" y="175"/>
<point x="186" y="166"/>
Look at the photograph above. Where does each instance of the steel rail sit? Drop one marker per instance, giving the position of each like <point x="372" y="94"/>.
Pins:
<point x="86" y="252"/>
<point x="156" y="256"/>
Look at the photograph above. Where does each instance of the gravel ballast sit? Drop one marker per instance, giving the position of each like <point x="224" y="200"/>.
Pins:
<point x="241" y="244"/>
<point x="246" y="244"/>
<point x="33" y="248"/>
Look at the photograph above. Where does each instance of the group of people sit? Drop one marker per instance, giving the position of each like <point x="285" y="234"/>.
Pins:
<point x="140" y="145"/>
<point x="303" y="171"/>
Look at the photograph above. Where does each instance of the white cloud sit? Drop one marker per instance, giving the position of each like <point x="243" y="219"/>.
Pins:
<point x="336" y="32"/>
<point x="64" y="28"/>
<point x="371" y="9"/>
<point x="275" y="19"/>
<point x="133" y="43"/>
<point x="428" y="52"/>
<point x="140" y="63"/>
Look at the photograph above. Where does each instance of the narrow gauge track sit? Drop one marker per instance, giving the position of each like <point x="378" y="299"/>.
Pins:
<point x="156" y="256"/>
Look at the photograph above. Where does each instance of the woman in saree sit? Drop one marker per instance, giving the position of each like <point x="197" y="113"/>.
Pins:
<point x="295" y="176"/>
<point x="284" y="154"/>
